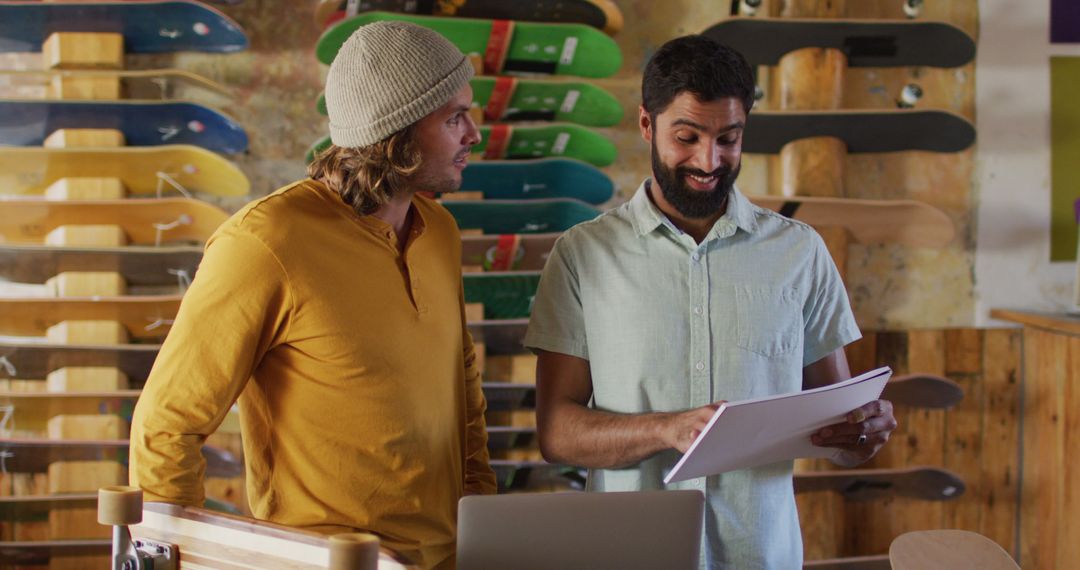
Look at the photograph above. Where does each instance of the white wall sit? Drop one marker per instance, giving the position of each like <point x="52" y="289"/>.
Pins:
<point x="1012" y="188"/>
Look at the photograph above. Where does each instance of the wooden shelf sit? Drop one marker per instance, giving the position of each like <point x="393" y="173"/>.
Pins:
<point x="1055" y="322"/>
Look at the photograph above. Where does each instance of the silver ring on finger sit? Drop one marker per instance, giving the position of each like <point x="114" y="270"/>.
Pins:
<point x="861" y="440"/>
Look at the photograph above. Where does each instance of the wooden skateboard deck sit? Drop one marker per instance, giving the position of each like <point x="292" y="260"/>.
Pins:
<point x="30" y="170"/>
<point x="139" y="265"/>
<point x="37" y="360"/>
<point x="924" y="483"/>
<point x="563" y="49"/>
<point x="513" y="252"/>
<point x="154" y="84"/>
<point x="28" y="221"/>
<point x="923" y="391"/>
<point x="507" y="396"/>
<point x="535" y="179"/>
<point x="508" y="142"/>
<point x="38" y="553"/>
<point x="907" y="222"/>
<point x="505" y="295"/>
<point x="143" y="123"/>
<point x="510" y="99"/>
<point x="520" y="216"/>
<point x="151" y="26"/>
<point x="600" y="14"/>
<point x="144" y="316"/>
<point x="866" y="43"/>
<point x="35" y="455"/>
<point x="869" y="130"/>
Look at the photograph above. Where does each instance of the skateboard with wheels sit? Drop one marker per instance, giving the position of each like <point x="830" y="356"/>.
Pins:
<point x="508" y="396"/>
<point x="509" y="437"/>
<point x="138" y="265"/>
<point x="506" y="46"/>
<point x="152" y="26"/>
<point x="142" y="170"/>
<point x="520" y="216"/>
<point x="34" y="361"/>
<point x="535" y="179"/>
<point x="862" y="130"/>
<point x="923" y="391"/>
<point x="153" y="84"/>
<point x="508" y="252"/>
<point x="506" y="295"/>
<point x="35" y="455"/>
<point x="26" y="122"/>
<point x="530" y="142"/>
<point x="600" y="14"/>
<point x="907" y="222"/>
<point x="866" y="43"/>
<point x="145" y="317"/>
<point x="144" y="221"/>
<point x="923" y="483"/>
<point x="509" y="99"/>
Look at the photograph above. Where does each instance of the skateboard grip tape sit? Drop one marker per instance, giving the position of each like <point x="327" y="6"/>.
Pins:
<point x="500" y="98"/>
<point x="498" y="46"/>
<point x="498" y="141"/>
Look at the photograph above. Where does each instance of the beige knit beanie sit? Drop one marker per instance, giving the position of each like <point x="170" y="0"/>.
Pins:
<point x="387" y="76"/>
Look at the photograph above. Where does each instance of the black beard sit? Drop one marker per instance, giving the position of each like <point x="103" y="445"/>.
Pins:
<point x="693" y="204"/>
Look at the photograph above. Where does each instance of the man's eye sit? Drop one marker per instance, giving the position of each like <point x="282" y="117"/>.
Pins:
<point x="686" y="140"/>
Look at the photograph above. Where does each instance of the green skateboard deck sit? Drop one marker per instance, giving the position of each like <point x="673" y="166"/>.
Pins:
<point x="507" y="295"/>
<point x="144" y="221"/>
<point x="506" y="141"/>
<point x="600" y="14"/>
<point x="143" y="170"/>
<point x="509" y="99"/>
<point x="885" y="130"/>
<point x="508" y="252"/>
<point x="139" y="265"/>
<point x="155" y="84"/>
<point x="867" y="43"/>
<point x="34" y="361"/>
<point x="144" y="316"/>
<point x="520" y="216"/>
<point x="908" y="222"/>
<point x="539" y="178"/>
<point x="923" y="483"/>
<point x="506" y="46"/>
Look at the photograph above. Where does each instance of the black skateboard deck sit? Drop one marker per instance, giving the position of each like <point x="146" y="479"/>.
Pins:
<point x="506" y="396"/>
<point x="884" y="130"/>
<point x="923" y="391"/>
<point x="867" y="43"/>
<point x="924" y="483"/>
<point x="139" y="265"/>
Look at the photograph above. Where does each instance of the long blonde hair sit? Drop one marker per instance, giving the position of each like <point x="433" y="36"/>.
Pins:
<point x="366" y="177"/>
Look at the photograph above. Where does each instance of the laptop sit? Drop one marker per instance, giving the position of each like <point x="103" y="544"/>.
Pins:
<point x="542" y="531"/>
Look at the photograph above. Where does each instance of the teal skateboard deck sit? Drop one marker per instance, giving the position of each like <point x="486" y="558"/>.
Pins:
<point x="503" y="141"/>
<point x="509" y="99"/>
<point x="536" y="179"/>
<point x="506" y="46"/>
<point x="870" y="130"/>
<point x="506" y="295"/>
<point x="507" y="252"/>
<point x="139" y="265"/>
<point x="600" y="14"/>
<point x="866" y="43"/>
<point x="520" y="216"/>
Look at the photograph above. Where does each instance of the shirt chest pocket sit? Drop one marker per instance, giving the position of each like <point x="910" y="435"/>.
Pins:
<point x="768" y="320"/>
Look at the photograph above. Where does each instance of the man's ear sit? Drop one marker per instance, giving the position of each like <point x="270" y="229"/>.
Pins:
<point x="645" y="123"/>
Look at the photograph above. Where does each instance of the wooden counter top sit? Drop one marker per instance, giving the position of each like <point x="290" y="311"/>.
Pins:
<point x="1055" y="322"/>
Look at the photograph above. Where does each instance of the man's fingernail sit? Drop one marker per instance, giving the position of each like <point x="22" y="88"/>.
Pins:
<point x="857" y="416"/>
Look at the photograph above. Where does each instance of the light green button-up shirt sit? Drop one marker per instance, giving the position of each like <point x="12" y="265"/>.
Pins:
<point x="668" y="324"/>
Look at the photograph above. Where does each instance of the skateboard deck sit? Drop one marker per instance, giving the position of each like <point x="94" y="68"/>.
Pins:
<point x="563" y="49"/>
<point x="28" y="221"/>
<point x="514" y="475"/>
<point x="520" y="216"/>
<point x="150" y="26"/>
<point x="500" y="337"/>
<point x="29" y="410"/>
<point x="158" y="84"/>
<point x="507" y="437"/>
<point x="907" y="222"/>
<point x="37" y="360"/>
<point x="531" y="142"/>
<point x="506" y="295"/>
<point x="509" y="99"/>
<point x="30" y="170"/>
<point x="143" y="123"/>
<point x="924" y="483"/>
<point x="512" y="252"/>
<point x="35" y="455"/>
<point x="506" y="396"/>
<point x="139" y="265"/>
<point x="541" y="178"/>
<point x="923" y="391"/>
<point x="866" y="43"/>
<point x="38" y="552"/>
<point x="600" y="14"/>
<point x="147" y="316"/>
<point x="870" y="130"/>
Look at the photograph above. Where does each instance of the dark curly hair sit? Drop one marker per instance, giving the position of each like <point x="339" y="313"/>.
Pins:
<point x="708" y="69"/>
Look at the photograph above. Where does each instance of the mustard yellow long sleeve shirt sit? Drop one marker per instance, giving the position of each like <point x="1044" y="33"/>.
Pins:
<point x="360" y="399"/>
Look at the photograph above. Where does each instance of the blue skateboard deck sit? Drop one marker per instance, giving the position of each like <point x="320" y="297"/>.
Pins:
<point x="538" y="179"/>
<point x="520" y="216"/>
<point x="147" y="26"/>
<point x="144" y="123"/>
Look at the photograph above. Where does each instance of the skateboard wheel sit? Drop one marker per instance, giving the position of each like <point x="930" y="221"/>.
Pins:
<point x="354" y="551"/>
<point x="119" y="506"/>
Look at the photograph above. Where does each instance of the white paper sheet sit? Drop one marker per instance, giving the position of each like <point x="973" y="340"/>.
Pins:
<point x="765" y="430"/>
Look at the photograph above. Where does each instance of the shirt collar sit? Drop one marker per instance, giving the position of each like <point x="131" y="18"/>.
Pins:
<point x="646" y="217"/>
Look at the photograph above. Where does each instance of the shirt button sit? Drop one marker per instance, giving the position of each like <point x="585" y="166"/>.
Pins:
<point x="697" y="310"/>
<point x="700" y="366"/>
<point x="696" y="257"/>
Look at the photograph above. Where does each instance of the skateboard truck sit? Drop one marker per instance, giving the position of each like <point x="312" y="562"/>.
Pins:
<point x="118" y="507"/>
<point x="913" y="8"/>
<point x="909" y="95"/>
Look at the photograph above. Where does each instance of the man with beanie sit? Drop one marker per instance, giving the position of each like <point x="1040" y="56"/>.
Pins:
<point x="332" y="310"/>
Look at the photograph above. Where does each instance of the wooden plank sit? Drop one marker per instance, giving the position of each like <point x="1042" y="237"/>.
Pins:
<point x="1001" y="437"/>
<point x="964" y="350"/>
<point x="1069" y="529"/>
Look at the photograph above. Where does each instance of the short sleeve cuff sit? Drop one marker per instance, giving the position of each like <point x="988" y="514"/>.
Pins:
<point x="822" y="348"/>
<point x="539" y="341"/>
